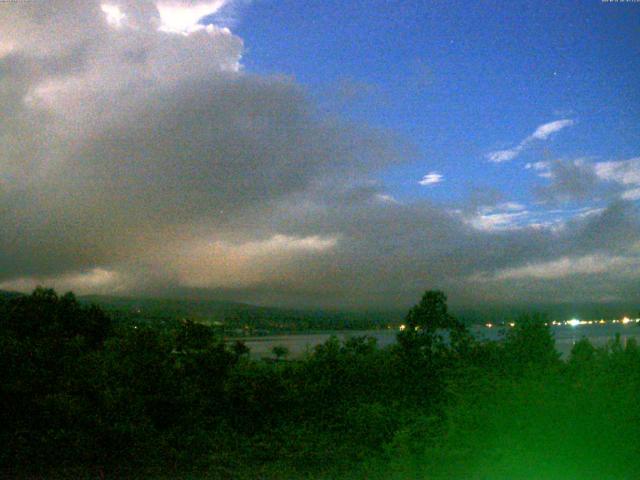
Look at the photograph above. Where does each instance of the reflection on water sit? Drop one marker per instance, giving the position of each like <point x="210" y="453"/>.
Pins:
<point x="566" y="336"/>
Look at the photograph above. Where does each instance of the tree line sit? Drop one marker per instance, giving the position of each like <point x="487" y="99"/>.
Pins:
<point x="86" y="397"/>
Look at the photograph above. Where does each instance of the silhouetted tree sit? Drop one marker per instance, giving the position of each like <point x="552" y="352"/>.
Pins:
<point x="428" y="323"/>
<point x="240" y="348"/>
<point x="582" y="353"/>
<point x="530" y="345"/>
<point x="193" y="336"/>
<point x="360" y="345"/>
<point x="280" y="352"/>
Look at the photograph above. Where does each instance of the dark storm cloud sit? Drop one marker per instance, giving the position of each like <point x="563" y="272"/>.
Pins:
<point x="579" y="180"/>
<point x="569" y="180"/>
<point x="106" y="157"/>
<point x="389" y="251"/>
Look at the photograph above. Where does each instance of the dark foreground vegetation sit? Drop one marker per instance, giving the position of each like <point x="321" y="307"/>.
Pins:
<point x="84" y="397"/>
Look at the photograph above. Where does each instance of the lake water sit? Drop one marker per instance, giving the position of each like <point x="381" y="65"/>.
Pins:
<point x="565" y="336"/>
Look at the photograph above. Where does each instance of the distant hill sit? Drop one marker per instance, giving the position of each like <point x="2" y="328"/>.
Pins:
<point x="237" y="315"/>
<point x="213" y="310"/>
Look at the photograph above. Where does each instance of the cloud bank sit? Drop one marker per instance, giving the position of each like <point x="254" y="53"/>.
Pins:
<point x="579" y="179"/>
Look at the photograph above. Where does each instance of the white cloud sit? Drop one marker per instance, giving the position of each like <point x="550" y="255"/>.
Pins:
<point x="543" y="168"/>
<point x="544" y="131"/>
<point x="633" y="194"/>
<point x="431" y="179"/>
<point x="588" y="212"/>
<point x="514" y="216"/>
<point x="113" y="14"/>
<point x="216" y="264"/>
<point x="181" y="17"/>
<point x="566" y="266"/>
<point x="500" y="156"/>
<point x="386" y="198"/>
<point x="503" y="216"/>
<point x="625" y="172"/>
<point x="508" y="206"/>
<point x="96" y="280"/>
<point x="497" y="221"/>
<point x="283" y="243"/>
<point x="541" y="133"/>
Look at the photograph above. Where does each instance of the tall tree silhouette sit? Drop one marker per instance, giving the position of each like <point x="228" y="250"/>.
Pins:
<point x="428" y="324"/>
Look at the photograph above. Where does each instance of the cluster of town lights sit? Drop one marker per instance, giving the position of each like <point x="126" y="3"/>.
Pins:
<point x="574" y="322"/>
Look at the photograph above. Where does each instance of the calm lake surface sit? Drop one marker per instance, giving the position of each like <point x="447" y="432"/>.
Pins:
<point x="565" y="336"/>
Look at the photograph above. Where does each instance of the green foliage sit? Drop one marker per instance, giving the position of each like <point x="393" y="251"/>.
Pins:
<point x="45" y="315"/>
<point x="530" y="345"/>
<point x="240" y="348"/>
<point x="280" y="351"/>
<point x="83" y="398"/>
<point x="193" y="336"/>
<point x="428" y="325"/>
<point x="551" y="426"/>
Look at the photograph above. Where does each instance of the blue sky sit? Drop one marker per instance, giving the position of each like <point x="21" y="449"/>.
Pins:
<point x="460" y="79"/>
<point x="322" y="153"/>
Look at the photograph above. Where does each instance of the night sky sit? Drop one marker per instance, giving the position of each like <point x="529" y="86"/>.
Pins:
<point x="322" y="153"/>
